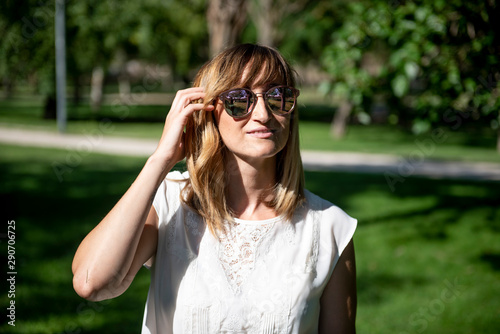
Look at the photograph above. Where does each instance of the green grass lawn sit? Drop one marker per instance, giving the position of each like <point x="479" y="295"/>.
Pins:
<point x="446" y="145"/>
<point x="428" y="254"/>
<point x="468" y="144"/>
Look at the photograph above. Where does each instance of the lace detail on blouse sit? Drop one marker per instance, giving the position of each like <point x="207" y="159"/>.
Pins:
<point x="237" y="250"/>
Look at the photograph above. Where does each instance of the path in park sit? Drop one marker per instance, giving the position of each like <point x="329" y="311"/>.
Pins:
<point x="391" y="166"/>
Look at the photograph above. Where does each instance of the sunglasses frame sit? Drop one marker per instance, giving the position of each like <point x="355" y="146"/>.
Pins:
<point x="223" y="97"/>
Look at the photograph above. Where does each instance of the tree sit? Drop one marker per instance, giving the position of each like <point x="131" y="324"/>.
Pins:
<point x="267" y="16"/>
<point x="99" y="33"/>
<point x="156" y="31"/>
<point x="226" y="20"/>
<point x="433" y="61"/>
<point x="27" y="47"/>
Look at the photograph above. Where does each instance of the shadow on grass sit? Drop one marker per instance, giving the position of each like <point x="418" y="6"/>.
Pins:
<point x="493" y="259"/>
<point x="52" y="218"/>
<point x="374" y="288"/>
<point x="411" y="226"/>
<point x="449" y="199"/>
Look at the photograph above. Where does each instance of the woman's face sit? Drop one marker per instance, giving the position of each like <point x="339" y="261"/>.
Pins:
<point x="259" y="135"/>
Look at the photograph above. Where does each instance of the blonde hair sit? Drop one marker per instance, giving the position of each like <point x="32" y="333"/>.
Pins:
<point x="205" y="189"/>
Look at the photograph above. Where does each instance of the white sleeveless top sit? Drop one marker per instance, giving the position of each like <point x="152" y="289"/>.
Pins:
<point x="261" y="277"/>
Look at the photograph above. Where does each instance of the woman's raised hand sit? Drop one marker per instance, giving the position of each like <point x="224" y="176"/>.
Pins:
<point x="171" y="145"/>
<point x="104" y="265"/>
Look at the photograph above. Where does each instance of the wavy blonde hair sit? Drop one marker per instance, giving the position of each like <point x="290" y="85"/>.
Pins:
<point x="205" y="151"/>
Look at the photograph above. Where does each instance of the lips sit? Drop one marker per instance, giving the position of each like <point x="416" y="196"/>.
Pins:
<point x="261" y="132"/>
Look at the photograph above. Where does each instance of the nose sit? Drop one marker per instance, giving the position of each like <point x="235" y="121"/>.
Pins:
<point x="260" y="112"/>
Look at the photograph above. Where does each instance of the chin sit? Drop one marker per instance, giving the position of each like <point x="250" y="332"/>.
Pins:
<point x="261" y="149"/>
<point x="262" y="154"/>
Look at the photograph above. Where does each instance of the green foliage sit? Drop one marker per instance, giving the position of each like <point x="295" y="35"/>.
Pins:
<point x="429" y="59"/>
<point x="153" y="30"/>
<point x="433" y="62"/>
<point x="309" y="30"/>
<point x="164" y="32"/>
<point x="27" y="44"/>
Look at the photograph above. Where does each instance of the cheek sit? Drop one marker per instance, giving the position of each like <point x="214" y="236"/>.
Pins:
<point x="286" y="124"/>
<point x="226" y="125"/>
<point x="221" y="119"/>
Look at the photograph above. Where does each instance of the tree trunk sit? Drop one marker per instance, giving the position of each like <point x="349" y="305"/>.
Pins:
<point x="124" y="87"/>
<point x="8" y="87"/>
<point x="267" y="14"/>
<point x="49" y="107"/>
<point x="226" y="19"/>
<point x="121" y="59"/>
<point x="339" y="123"/>
<point x="96" y="88"/>
<point x="266" y="20"/>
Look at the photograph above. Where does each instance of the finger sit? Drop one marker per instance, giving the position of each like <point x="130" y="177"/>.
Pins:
<point x="185" y="96"/>
<point x="193" y="107"/>
<point x="188" y="94"/>
<point x="195" y="97"/>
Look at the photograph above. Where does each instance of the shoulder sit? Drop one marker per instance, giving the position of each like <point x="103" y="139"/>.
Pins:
<point x="335" y="224"/>
<point x="326" y="209"/>
<point x="168" y="193"/>
<point x="177" y="176"/>
<point x="174" y="181"/>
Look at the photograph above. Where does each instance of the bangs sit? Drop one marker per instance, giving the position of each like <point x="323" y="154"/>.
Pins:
<point x="265" y="66"/>
<point x="253" y="65"/>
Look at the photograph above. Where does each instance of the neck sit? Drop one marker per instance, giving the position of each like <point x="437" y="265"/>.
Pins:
<point x="249" y="186"/>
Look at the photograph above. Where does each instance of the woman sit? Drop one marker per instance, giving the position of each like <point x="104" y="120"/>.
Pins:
<point x="235" y="245"/>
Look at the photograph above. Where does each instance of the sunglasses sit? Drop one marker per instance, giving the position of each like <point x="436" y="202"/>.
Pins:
<point x="240" y="102"/>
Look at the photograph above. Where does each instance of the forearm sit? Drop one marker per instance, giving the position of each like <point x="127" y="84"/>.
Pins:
<point x="109" y="257"/>
<point x="103" y="260"/>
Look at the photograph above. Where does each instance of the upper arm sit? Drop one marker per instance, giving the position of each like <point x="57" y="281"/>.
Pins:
<point x="338" y="301"/>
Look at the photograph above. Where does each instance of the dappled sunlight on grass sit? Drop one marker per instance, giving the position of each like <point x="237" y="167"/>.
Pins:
<point x="425" y="252"/>
<point x="387" y="139"/>
<point x="427" y="237"/>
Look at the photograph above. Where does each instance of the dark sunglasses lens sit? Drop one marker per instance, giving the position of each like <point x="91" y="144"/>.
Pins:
<point x="281" y="100"/>
<point x="237" y="102"/>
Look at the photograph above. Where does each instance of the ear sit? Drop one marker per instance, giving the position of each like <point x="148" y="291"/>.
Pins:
<point x="216" y="112"/>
